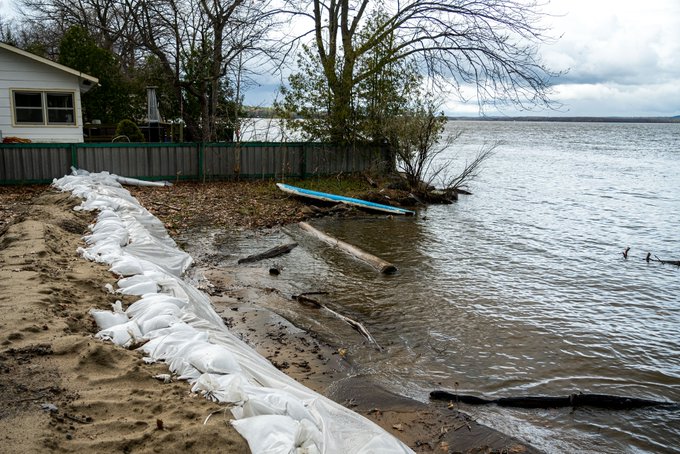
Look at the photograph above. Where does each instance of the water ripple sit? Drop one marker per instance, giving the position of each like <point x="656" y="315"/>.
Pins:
<point x="522" y="288"/>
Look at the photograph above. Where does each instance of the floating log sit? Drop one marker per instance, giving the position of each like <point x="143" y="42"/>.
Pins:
<point x="273" y="252"/>
<point x="376" y="262"/>
<point x="605" y="401"/>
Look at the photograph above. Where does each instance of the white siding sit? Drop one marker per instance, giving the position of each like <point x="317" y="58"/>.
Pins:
<point x="21" y="73"/>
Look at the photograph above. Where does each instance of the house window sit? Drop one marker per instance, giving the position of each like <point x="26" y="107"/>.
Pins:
<point x="43" y="107"/>
<point x="28" y="107"/>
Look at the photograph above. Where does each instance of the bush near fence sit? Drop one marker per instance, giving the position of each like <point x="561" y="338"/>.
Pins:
<point x="42" y="162"/>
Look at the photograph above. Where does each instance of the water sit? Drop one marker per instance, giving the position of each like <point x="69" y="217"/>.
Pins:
<point x="521" y="288"/>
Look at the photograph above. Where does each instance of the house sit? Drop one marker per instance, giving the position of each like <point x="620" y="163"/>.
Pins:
<point x="40" y="99"/>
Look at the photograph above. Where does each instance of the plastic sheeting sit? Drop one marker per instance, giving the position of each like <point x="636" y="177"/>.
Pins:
<point x="273" y="412"/>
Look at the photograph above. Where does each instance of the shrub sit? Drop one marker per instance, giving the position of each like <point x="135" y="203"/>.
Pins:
<point x="129" y="129"/>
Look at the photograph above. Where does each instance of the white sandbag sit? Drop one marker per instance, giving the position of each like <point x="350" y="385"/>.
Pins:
<point x="179" y="366"/>
<point x="109" y="228"/>
<point x="139" y="284"/>
<point x="157" y="322"/>
<point x="270" y="401"/>
<point x="139" y="288"/>
<point x="127" y="266"/>
<point x="221" y="388"/>
<point x="150" y="300"/>
<point x="166" y="343"/>
<point x="269" y="433"/>
<point x="125" y="335"/>
<point x="309" y="439"/>
<point x="107" y="319"/>
<point x="155" y="310"/>
<point x="213" y="359"/>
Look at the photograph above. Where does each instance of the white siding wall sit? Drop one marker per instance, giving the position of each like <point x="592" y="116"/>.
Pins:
<point x="18" y="72"/>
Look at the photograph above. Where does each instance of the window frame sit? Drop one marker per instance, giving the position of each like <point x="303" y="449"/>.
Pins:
<point x="45" y="109"/>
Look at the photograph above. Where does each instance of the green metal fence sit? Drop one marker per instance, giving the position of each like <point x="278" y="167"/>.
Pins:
<point x="42" y="162"/>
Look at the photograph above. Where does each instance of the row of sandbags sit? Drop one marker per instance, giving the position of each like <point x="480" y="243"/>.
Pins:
<point x="175" y="323"/>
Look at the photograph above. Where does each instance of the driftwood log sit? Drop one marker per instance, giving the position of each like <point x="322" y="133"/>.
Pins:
<point x="605" y="401"/>
<point x="270" y="253"/>
<point x="376" y="262"/>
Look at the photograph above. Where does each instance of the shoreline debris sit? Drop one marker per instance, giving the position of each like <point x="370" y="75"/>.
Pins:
<point x="269" y="253"/>
<point x="376" y="262"/>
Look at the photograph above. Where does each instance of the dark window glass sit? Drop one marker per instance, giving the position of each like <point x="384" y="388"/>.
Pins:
<point x="60" y="100"/>
<point x="28" y="107"/>
<point x="60" y="108"/>
<point x="26" y="99"/>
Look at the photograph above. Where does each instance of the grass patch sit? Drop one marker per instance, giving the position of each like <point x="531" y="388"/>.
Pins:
<point x="350" y="185"/>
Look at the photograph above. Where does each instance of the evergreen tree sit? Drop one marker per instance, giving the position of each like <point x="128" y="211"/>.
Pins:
<point x="113" y="99"/>
<point x="311" y="106"/>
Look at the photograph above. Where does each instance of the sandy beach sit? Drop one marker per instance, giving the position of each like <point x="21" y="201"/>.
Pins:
<point x="62" y="390"/>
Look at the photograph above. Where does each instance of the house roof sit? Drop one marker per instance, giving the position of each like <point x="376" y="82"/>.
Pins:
<point x="86" y="77"/>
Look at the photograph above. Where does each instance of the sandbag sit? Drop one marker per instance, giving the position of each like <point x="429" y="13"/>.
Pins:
<point x="124" y="335"/>
<point x="107" y="319"/>
<point x="157" y="322"/>
<point x="277" y="434"/>
<point x="221" y="388"/>
<point x="212" y="359"/>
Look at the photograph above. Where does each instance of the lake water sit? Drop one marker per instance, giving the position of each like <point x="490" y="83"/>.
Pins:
<point x="521" y="288"/>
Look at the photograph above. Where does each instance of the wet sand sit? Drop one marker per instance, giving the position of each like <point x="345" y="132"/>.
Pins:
<point x="64" y="391"/>
<point x="61" y="390"/>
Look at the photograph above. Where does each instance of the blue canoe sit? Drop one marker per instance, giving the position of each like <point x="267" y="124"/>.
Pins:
<point x="341" y="199"/>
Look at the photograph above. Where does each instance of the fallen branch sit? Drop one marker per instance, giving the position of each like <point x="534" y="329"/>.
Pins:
<point x="270" y="253"/>
<point x="303" y="299"/>
<point x="371" y="182"/>
<point x="166" y="206"/>
<point x="605" y="401"/>
<point x="668" y="262"/>
<point x="376" y="262"/>
<point x="83" y="420"/>
<point x="307" y="301"/>
<point x="28" y="399"/>
<point x="356" y="325"/>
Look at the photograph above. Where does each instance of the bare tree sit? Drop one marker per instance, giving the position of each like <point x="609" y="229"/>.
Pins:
<point x="107" y="21"/>
<point x="490" y="45"/>
<point x="417" y="138"/>
<point x="195" y="43"/>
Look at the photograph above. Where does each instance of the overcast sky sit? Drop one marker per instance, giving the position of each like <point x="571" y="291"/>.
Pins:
<point x="623" y="59"/>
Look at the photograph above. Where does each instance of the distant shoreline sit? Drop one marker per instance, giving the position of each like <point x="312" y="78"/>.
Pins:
<point x="265" y="112"/>
<point x="574" y="119"/>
